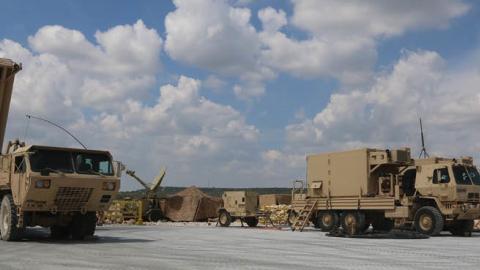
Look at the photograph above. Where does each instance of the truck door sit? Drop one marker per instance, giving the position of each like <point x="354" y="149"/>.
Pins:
<point x="440" y="181"/>
<point x="18" y="173"/>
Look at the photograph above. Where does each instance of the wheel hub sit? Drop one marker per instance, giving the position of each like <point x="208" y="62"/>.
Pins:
<point x="327" y="219"/>
<point x="223" y="218"/>
<point x="350" y="220"/>
<point x="426" y="222"/>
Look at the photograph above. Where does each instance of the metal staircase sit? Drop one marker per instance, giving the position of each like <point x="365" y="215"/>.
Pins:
<point x="304" y="216"/>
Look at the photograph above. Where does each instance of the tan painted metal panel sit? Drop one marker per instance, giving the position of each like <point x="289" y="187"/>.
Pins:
<point x="8" y="69"/>
<point x="341" y="173"/>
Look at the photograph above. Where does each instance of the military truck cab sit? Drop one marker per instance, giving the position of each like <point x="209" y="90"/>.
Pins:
<point x="60" y="188"/>
<point x="452" y="187"/>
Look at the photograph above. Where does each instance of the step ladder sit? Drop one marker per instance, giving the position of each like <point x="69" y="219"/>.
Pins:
<point x="304" y="216"/>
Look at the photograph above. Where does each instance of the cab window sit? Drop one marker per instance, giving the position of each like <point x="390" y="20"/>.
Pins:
<point x="461" y="175"/>
<point x="20" y="164"/>
<point x="93" y="163"/>
<point x="440" y="176"/>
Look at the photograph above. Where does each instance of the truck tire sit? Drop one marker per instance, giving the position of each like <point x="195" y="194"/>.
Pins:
<point x="9" y="220"/>
<point x="428" y="220"/>
<point x="462" y="228"/>
<point x="251" y="221"/>
<point x="353" y="222"/>
<point x="224" y="218"/>
<point x="83" y="225"/>
<point x="90" y="220"/>
<point x="327" y="220"/>
<point x="292" y="217"/>
<point x="154" y="215"/>
<point x="59" y="232"/>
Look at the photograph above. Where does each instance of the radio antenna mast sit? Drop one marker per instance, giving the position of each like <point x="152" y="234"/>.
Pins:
<point x="58" y="126"/>
<point x="423" y="153"/>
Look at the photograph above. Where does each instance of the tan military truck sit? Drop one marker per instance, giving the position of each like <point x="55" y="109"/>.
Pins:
<point x="60" y="188"/>
<point x="241" y="205"/>
<point x="383" y="188"/>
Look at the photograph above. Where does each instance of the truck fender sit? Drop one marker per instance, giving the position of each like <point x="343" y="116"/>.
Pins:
<point x="435" y="202"/>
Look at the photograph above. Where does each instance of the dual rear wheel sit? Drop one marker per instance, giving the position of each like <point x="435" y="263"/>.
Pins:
<point x="352" y="222"/>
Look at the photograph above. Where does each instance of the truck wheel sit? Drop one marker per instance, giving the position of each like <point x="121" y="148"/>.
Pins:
<point x="353" y="222"/>
<point x="428" y="220"/>
<point x="154" y="216"/>
<point x="59" y="232"/>
<point x="224" y="219"/>
<point x="90" y="220"/>
<point x="251" y="221"/>
<point x="292" y="217"/>
<point x="327" y="220"/>
<point x="83" y="225"/>
<point x="9" y="220"/>
<point x="462" y="228"/>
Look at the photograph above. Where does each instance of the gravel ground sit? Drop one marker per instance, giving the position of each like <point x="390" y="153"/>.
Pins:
<point x="198" y="246"/>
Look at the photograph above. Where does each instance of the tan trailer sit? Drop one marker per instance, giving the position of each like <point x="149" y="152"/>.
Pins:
<point x="383" y="188"/>
<point x="241" y="205"/>
<point x="59" y="188"/>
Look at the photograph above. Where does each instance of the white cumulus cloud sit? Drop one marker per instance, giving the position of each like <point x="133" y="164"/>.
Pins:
<point x="386" y="115"/>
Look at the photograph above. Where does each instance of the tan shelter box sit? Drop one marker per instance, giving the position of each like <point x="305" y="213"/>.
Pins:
<point x="274" y="199"/>
<point x="240" y="203"/>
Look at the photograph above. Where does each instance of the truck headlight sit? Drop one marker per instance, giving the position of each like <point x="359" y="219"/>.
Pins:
<point x="108" y="186"/>
<point x="44" y="183"/>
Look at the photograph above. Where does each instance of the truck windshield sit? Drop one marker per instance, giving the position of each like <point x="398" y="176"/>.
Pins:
<point x="474" y="175"/>
<point x="51" y="160"/>
<point x="466" y="175"/>
<point x="88" y="163"/>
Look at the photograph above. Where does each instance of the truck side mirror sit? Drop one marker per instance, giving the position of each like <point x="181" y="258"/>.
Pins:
<point x="118" y="167"/>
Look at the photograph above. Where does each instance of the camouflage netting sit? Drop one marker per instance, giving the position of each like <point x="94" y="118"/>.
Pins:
<point x="191" y="204"/>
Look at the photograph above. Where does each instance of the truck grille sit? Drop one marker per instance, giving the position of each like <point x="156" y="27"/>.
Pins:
<point x="72" y="198"/>
<point x="473" y="197"/>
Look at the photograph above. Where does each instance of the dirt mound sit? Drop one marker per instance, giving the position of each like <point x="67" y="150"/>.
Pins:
<point x="191" y="204"/>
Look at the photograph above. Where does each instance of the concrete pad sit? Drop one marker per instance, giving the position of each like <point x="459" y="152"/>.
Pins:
<point x="198" y="246"/>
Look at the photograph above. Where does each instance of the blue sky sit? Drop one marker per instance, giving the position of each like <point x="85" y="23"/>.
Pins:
<point x="282" y="96"/>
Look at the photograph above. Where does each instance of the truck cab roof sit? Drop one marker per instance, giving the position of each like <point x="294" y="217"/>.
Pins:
<point x="29" y="148"/>
<point x="443" y="160"/>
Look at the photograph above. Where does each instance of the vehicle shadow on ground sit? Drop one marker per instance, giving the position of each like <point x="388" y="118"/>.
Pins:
<point x="41" y="235"/>
<point x="395" y="234"/>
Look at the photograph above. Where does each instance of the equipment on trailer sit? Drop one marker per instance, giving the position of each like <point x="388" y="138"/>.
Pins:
<point x="151" y="209"/>
<point x="243" y="206"/>
<point x="386" y="188"/>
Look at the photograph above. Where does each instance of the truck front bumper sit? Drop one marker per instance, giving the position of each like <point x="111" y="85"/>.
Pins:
<point x="467" y="211"/>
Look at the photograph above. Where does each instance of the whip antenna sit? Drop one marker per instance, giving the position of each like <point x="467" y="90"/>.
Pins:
<point x="58" y="126"/>
<point x="423" y="153"/>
